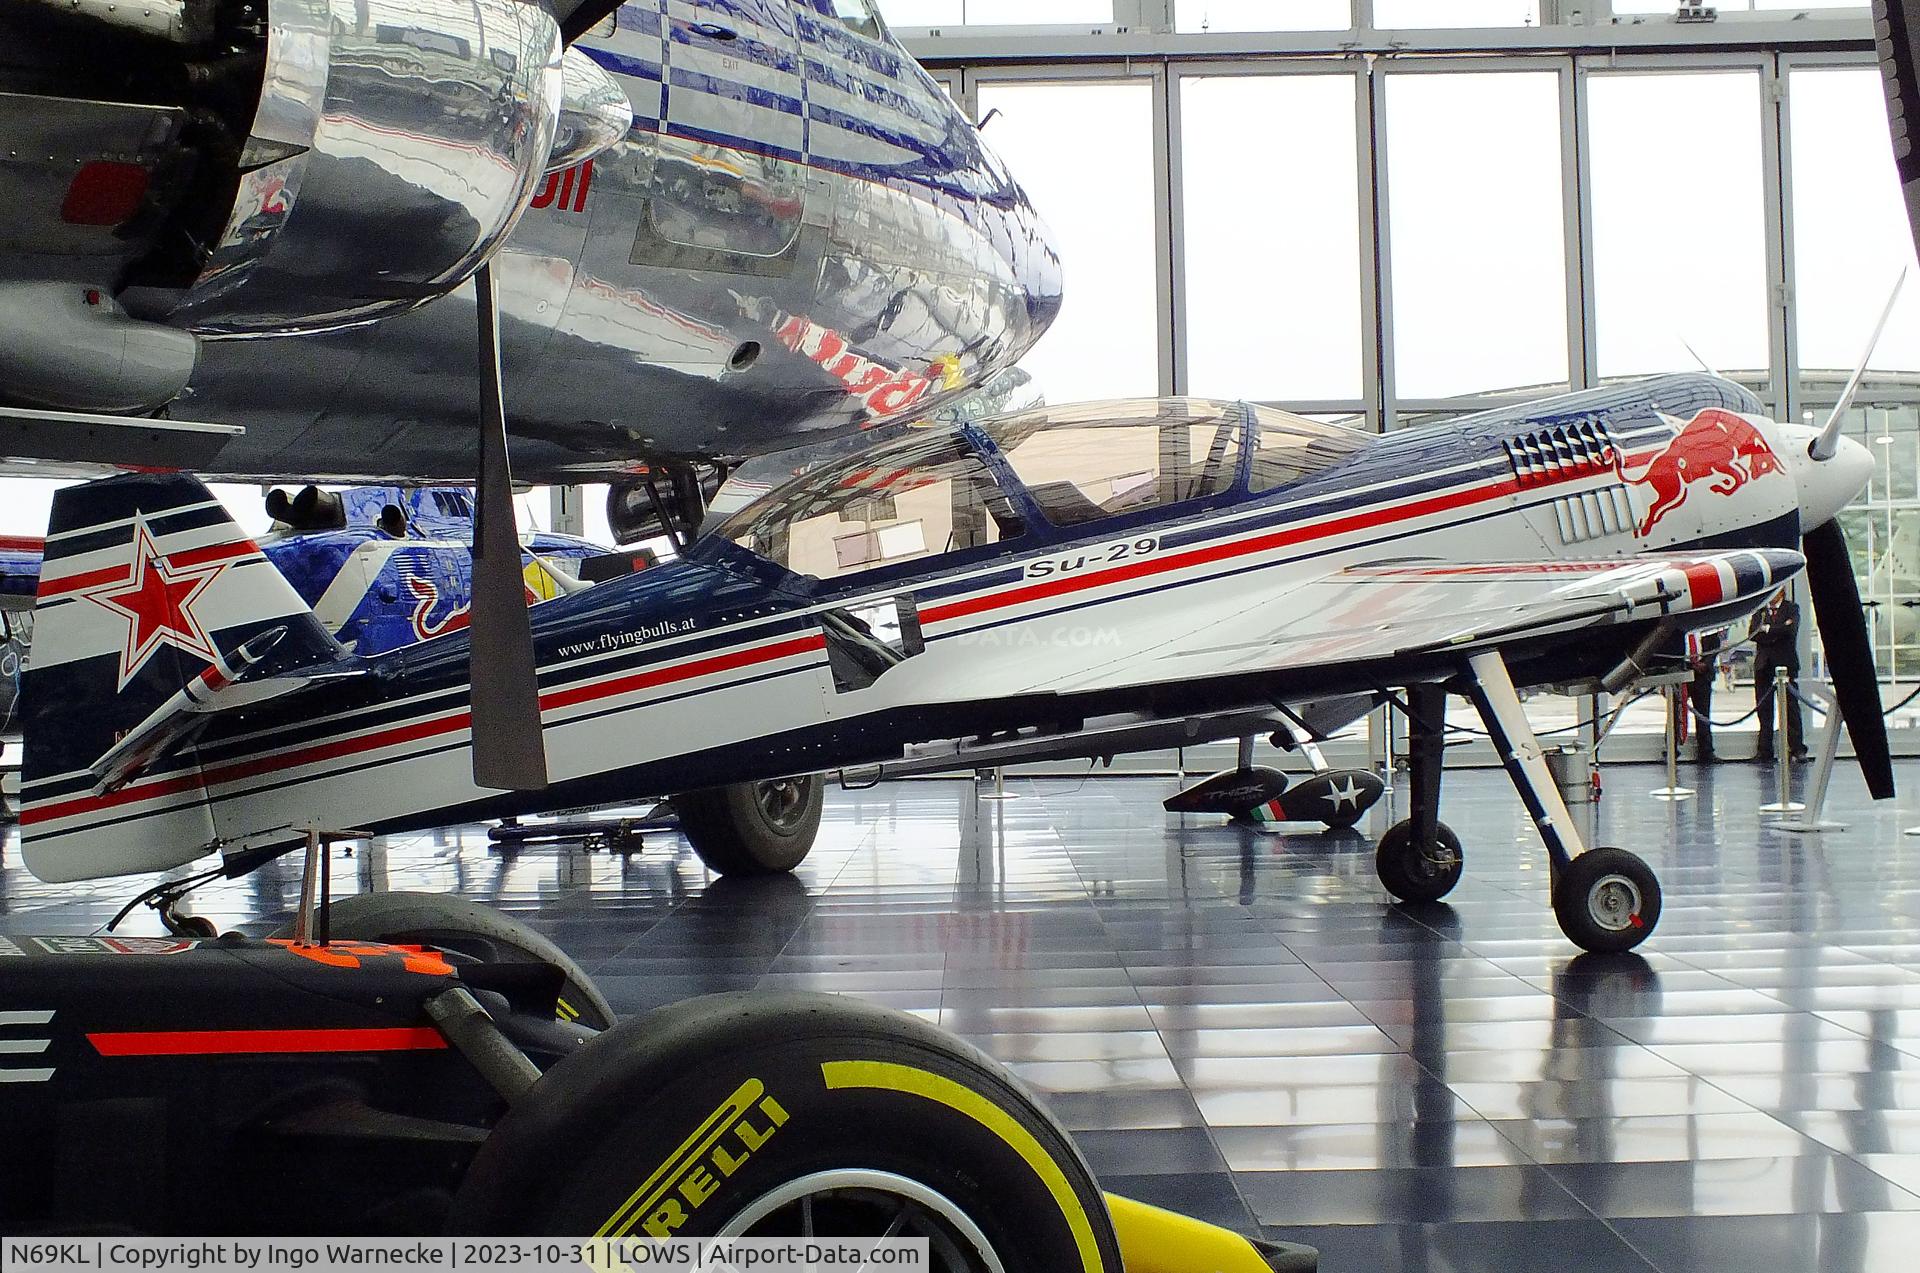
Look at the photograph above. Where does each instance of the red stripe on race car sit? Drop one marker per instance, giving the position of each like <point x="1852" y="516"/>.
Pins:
<point x="230" y="1042"/>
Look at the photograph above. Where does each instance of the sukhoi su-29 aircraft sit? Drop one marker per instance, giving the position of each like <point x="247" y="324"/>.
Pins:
<point x="1075" y="573"/>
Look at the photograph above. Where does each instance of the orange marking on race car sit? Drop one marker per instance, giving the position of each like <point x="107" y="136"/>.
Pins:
<point x="348" y="954"/>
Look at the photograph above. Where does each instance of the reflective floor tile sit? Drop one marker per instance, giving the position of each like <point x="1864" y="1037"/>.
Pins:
<point x="1158" y="1151"/>
<point x="1656" y="1138"/>
<point x="1854" y="1243"/>
<point x="1860" y="1131"/>
<point x="1514" y="1246"/>
<point x="1465" y="1142"/>
<point x="1732" y="1186"/>
<point x="1392" y="1195"/>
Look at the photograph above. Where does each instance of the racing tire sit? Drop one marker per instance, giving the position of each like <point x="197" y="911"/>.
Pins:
<point x="1607" y="900"/>
<point x="753" y="828"/>
<point x="456" y="924"/>
<point x="757" y="1114"/>
<point x="1414" y="875"/>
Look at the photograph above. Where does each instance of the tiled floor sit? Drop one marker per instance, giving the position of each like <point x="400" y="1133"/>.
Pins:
<point x="1236" y="1024"/>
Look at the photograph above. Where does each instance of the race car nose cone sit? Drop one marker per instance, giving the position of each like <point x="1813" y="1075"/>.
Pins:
<point x="1825" y="486"/>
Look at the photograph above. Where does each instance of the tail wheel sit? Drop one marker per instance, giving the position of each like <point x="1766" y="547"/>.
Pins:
<point x="456" y="924"/>
<point x="1606" y="900"/>
<point x="1418" y="872"/>
<point x="780" y="1115"/>
<point x="753" y="828"/>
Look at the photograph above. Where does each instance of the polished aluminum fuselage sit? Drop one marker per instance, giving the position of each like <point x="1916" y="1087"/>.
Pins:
<point x="800" y="233"/>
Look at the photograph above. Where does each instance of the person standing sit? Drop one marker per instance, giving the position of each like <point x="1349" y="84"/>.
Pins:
<point x="1700" y="694"/>
<point x="1776" y="644"/>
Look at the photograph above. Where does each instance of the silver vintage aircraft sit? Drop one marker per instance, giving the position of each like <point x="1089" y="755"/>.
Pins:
<point x="744" y="221"/>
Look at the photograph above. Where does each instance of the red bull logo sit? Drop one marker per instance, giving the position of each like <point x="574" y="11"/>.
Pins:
<point x="427" y="623"/>
<point x="1716" y="447"/>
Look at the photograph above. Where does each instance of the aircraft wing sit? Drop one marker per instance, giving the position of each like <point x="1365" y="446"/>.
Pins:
<point x="1402" y="608"/>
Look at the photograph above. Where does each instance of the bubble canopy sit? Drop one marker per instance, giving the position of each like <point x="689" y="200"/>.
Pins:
<point x="1045" y="474"/>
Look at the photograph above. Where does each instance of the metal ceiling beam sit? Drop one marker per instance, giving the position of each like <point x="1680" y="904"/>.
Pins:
<point x="1770" y="31"/>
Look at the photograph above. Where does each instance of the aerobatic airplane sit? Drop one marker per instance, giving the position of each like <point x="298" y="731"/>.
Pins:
<point x="1075" y="571"/>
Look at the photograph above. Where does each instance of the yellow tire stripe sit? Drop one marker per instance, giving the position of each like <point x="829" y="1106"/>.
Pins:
<point x="888" y="1076"/>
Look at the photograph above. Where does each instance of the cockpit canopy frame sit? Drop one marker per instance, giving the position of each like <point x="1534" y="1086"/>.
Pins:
<point x="953" y="494"/>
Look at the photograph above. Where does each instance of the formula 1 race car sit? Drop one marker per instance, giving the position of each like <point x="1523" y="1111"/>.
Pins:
<point x="414" y="1064"/>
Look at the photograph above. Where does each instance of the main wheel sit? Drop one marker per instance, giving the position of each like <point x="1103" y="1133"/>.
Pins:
<point x="1418" y="873"/>
<point x="1606" y="900"/>
<point x="788" y="1115"/>
<point x="753" y="828"/>
<point x="454" y="923"/>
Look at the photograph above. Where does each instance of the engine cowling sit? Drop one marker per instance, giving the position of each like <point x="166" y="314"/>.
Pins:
<point x="393" y="147"/>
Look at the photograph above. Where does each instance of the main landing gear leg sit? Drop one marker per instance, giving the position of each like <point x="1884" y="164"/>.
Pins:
<point x="1419" y="859"/>
<point x="1605" y="899"/>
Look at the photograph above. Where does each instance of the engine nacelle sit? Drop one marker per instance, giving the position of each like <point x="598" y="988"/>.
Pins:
<point x="392" y="149"/>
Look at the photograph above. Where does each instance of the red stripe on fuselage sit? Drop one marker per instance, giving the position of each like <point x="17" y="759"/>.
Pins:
<point x="1207" y="554"/>
<point x="413" y="731"/>
<point x="232" y="1042"/>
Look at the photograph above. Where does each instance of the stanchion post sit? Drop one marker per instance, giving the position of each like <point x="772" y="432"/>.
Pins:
<point x="1816" y="801"/>
<point x="1782" y="747"/>
<point x="999" y="791"/>
<point x="1673" y="790"/>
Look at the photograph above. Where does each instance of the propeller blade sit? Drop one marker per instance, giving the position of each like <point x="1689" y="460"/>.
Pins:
<point x="1829" y="440"/>
<point x="1843" y="631"/>
<point x="1695" y="355"/>
<point x="509" y="751"/>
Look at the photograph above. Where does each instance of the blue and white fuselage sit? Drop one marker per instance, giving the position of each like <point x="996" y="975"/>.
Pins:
<point x="1034" y="571"/>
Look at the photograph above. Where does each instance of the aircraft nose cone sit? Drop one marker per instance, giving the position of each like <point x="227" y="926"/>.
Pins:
<point x="1825" y="486"/>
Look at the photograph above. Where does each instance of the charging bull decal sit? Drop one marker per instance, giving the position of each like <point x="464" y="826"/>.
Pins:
<point x="427" y="601"/>
<point x="1717" y="447"/>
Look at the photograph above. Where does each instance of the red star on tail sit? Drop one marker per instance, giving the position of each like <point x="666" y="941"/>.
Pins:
<point x="157" y="601"/>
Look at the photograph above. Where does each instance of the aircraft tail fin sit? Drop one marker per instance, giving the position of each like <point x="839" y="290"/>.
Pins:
<point x="154" y="612"/>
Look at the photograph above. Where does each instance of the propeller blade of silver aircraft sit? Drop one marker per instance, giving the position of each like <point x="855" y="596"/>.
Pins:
<point x="508" y="749"/>
<point x="1829" y="440"/>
